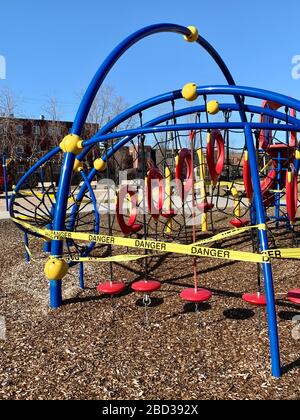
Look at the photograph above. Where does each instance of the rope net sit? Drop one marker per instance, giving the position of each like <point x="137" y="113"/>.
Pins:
<point x="121" y="203"/>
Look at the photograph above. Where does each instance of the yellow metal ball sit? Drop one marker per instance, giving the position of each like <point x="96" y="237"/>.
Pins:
<point x="213" y="107"/>
<point x="100" y="165"/>
<point x="189" y="92"/>
<point x="193" y="35"/>
<point x="71" y="144"/>
<point x="56" y="269"/>
<point x="78" y="166"/>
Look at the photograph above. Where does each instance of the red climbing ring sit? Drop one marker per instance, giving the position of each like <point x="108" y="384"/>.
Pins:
<point x="292" y="194"/>
<point x="255" y="299"/>
<point x="193" y="136"/>
<point x="215" y="168"/>
<point x="146" y="286"/>
<point x="294" y="296"/>
<point x="131" y="226"/>
<point x="155" y="177"/>
<point x="111" y="288"/>
<point x="184" y="162"/>
<point x="266" y="136"/>
<point x="196" y="295"/>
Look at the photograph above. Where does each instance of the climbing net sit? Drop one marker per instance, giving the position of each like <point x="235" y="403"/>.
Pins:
<point x="158" y="185"/>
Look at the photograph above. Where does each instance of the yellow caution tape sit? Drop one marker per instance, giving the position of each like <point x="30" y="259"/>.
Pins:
<point x="230" y="234"/>
<point x="113" y="259"/>
<point x="288" y="253"/>
<point x="194" y="249"/>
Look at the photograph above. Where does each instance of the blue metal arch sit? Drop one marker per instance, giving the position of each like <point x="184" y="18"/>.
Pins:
<point x="122" y="48"/>
<point x="238" y="93"/>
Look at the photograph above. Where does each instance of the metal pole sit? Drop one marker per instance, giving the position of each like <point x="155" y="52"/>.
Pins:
<point x="110" y="228"/>
<point x="59" y="223"/>
<point x="81" y="276"/>
<point x="4" y="164"/>
<point x="26" y="242"/>
<point x="267" y="268"/>
<point x="144" y="204"/>
<point x="195" y="268"/>
<point x="42" y="179"/>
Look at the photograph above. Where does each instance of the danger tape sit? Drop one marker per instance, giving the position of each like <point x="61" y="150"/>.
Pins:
<point x="195" y="250"/>
<point x="114" y="259"/>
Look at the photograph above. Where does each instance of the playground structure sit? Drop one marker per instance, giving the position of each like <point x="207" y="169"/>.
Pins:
<point x="191" y="183"/>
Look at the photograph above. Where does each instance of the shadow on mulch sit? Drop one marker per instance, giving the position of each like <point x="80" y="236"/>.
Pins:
<point x="155" y="302"/>
<point x="287" y="315"/>
<point x="84" y="299"/>
<point x="292" y="366"/>
<point x="191" y="308"/>
<point x="239" y="314"/>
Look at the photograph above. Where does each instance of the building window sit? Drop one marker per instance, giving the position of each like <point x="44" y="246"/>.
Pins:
<point x="20" y="149"/>
<point x="56" y="168"/>
<point x="19" y="129"/>
<point x="54" y="131"/>
<point x="3" y="129"/>
<point x="36" y="130"/>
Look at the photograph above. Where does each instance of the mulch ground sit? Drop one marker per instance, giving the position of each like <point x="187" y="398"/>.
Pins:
<point x="85" y="351"/>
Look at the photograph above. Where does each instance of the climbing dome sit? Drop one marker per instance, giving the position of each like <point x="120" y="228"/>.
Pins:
<point x="222" y="160"/>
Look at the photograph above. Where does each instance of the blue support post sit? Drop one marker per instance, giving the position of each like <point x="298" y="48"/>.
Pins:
<point x="4" y="164"/>
<point x="278" y="187"/>
<point x="47" y="244"/>
<point x="267" y="268"/>
<point x="26" y="242"/>
<point x="81" y="276"/>
<point x="42" y="179"/>
<point x="59" y="223"/>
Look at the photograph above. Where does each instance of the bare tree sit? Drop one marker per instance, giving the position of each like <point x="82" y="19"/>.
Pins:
<point x="106" y="106"/>
<point x="11" y="140"/>
<point x="8" y="103"/>
<point x="51" y="109"/>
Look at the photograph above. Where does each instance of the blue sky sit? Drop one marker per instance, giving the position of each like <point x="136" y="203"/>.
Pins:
<point x="54" y="47"/>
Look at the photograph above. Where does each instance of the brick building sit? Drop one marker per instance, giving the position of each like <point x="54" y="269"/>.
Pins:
<point x="25" y="141"/>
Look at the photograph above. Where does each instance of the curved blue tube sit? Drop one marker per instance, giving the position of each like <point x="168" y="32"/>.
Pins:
<point x="252" y="93"/>
<point x="31" y="171"/>
<point x="121" y="49"/>
<point x="187" y="111"/>
<point x="188" y="127"/>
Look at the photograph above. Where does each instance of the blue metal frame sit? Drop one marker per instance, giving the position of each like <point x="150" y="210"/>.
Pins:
<point x="239" y="93"/>
<point x="267" y="268"/>
<point x="117" y="53"/>
<point x="176" y="114"/>
<point x="187" y="127"/>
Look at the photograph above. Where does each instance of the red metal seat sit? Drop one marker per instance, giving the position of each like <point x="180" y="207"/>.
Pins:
<point x="146" y="286"/>
<point x="255" y="299"/>
<point x="196" y="296"/>
<point x="205" y="207"/>
<point x="169" y="214"/>
<point x="111" y="288"/>
<point x="294" y="296"/>
<point x="239" y="223"/>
